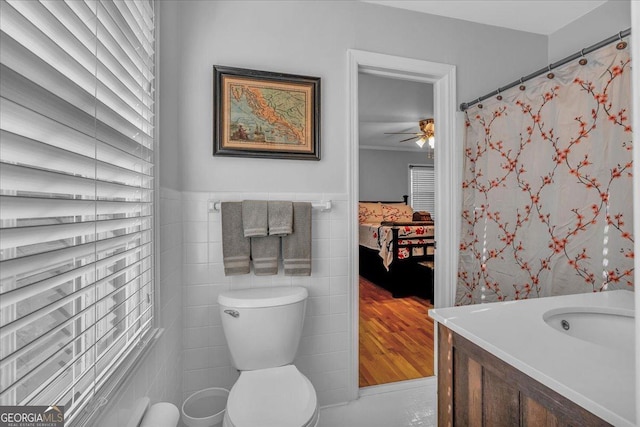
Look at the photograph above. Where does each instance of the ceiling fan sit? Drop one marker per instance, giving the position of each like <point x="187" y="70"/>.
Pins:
<point x="426" y="133"/>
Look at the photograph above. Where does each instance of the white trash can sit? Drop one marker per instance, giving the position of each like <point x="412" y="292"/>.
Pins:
<point x="205" y="408"/>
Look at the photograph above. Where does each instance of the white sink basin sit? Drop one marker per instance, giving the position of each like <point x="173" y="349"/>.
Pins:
<point x="608" y="327"/>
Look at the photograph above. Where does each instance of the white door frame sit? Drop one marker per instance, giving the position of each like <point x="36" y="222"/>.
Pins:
<point x="448" y="176"/>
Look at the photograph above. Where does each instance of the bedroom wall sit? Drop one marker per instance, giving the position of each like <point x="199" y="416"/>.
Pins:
<point x="384" y="174"/>
<point x="599" y="24"/>
<point x="308" y="38"/>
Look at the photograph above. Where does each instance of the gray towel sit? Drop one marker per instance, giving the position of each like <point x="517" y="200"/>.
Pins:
<point x="265" y="252"/>
<point x="235" y="247"/>
<point x="254" y="218"/>
<point x="280" y="218"/>
<point x="296" y="247"/>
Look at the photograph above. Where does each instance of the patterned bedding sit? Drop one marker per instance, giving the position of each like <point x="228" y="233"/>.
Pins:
<point x="380" y="238"/>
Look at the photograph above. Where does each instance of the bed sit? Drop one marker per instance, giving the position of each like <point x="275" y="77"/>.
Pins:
<point x="396" y="251"/>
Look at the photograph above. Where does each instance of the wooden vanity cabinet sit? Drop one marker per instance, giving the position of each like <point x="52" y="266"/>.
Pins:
<point x="475" y="388"/>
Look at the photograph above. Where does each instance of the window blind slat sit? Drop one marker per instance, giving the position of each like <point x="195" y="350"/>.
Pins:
<point x="422" y="182"/>
<point x="40" y="182"/>
<point x="141" y="48"/>
<point x="19" y="150"/>
<point x="144" y="16"/>
<point x="116" y="28"/>
<point x="66" y="54"/>
<point x="61" y="14"/>
<point x="24" y="236"/>
<point x="139" y="281"/>
<point x="75" y="108"/>
<point x="137" y="25"/>
<point x="23" y="271"/>
<point x="76" y="194"/>
<point x="26" y="292"/>
<point x="27" y="208"/>
<point x="139" y="330"/>
<point x="20" y="125"/>
<point x="119" y="101"/>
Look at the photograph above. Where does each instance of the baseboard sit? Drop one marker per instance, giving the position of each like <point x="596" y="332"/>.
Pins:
<point x="399" y="386"/>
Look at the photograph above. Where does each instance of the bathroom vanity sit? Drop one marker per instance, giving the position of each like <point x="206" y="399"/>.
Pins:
<point x="556" y="361"/>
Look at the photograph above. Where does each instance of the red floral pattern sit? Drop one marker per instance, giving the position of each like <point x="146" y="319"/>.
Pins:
<point x="369" y="213"/>
<point x="383" y="238"/>
<point x="548" y="186"/>
<point x="399" y="212"/>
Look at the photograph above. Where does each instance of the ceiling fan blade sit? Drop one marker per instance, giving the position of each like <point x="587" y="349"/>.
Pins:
<point x="409" y="139"/>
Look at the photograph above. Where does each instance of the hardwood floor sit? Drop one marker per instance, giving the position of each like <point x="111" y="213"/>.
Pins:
<point x="396" y="337"/>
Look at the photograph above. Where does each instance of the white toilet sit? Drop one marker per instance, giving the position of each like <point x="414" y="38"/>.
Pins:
<point x="263" y="328"/>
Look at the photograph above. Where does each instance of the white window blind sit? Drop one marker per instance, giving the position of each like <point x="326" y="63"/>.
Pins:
<point x="423" y="184"/>
<point x="76" y="194"/>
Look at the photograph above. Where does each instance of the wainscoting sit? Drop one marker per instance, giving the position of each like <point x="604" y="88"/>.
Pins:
<point x="396" y="337"/>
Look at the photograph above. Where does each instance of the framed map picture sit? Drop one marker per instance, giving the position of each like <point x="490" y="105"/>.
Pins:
<point x="265" y="114"/>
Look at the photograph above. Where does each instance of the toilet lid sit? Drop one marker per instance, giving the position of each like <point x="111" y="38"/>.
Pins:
<point x="273" y="397"/>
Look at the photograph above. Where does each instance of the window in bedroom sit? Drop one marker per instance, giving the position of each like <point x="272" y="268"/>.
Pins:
<point x="422" y="183"/>
<point x="76" y="195"/>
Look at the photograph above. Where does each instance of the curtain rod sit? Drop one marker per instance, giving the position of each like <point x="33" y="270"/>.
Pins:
<point x="550" y="67"/>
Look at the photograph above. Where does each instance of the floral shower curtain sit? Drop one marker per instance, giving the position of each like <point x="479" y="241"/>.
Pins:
<point x="547" y="188"/>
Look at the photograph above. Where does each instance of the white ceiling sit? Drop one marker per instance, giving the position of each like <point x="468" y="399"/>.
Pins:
<point x="391" y="105"/>
<point x="534" y="16"/>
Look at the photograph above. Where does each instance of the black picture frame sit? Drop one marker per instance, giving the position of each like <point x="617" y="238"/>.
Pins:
<point x="265" y="114"/>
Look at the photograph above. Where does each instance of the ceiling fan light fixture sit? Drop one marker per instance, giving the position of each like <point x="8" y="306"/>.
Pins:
<point x="428" y="132"/>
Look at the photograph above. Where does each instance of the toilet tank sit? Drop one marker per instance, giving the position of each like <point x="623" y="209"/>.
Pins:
<point x="263" y="326"/>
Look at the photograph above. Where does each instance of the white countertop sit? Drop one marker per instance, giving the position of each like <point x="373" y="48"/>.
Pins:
<point x="598" y="378"/>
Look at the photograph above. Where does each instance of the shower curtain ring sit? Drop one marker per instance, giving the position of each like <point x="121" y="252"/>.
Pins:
<point x="499" y="97"/>
<point x="478" y="102"/>
<point x="583" y="60"/>
<point x="621" y="44"/>
<point x="522" y="87"/>
<point x="550" y="75"/>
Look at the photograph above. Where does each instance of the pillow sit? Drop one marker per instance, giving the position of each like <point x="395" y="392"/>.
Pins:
<point x="369" y="212"/>
<point x="397" y="212"/>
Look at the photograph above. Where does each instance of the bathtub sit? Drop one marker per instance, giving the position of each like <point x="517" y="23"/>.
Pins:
<point x="581" y="346"/>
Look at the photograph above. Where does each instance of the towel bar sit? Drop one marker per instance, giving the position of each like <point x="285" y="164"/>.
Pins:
<point x="322" y="205"/>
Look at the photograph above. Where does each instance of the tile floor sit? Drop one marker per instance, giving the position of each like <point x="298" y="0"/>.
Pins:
<point x="407" y="404"/>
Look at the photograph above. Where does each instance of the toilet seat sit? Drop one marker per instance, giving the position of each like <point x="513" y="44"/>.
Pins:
<point x="272" y="397"/>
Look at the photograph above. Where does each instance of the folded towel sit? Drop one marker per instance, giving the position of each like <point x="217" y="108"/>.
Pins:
<point x="265" y="252"/>
<point x="296" y="247"/>
<point x="254" y="218"/>
<point x="235" y="247"/>
<point x="280" y="218"/>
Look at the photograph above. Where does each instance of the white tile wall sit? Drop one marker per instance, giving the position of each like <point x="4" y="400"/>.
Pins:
<point x="323" y="353"/>
<point x="160" y="375"/>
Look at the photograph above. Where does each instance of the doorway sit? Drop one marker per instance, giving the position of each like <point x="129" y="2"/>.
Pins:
<point x="396" y="341"/>
<point x="442" y="76"/>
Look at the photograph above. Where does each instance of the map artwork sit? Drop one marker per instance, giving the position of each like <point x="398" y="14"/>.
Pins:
<point x="267" y="113"/>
